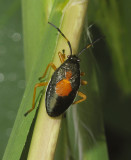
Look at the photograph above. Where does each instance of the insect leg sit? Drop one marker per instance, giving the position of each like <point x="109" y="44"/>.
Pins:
<point x="81" y="100"/>
<point x="34" y="94"/>
<point x="82" y="73"/>
<point x="49" y="65"/>
<point x="61" y="56"/>
<point x="83" y="82"/>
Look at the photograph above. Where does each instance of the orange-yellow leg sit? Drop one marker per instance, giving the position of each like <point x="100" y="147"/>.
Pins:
<point x="62" y="59"/>
<point x="61" y="56"/>
<point x="49" y="65"/>
<point x="83" y="82"/>
<point x="33" y="102"/>
<point x="82" y="73"/>
<point x="81" y="100"/>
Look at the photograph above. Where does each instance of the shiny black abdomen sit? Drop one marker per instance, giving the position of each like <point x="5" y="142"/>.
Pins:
<point x="56" y="105"/>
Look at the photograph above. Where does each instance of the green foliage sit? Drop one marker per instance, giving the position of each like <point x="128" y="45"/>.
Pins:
<point x="12" y="82"/>
<point x="108" y="71"/>
<point x="22" y="125"/>
<point x="111" y="17"/>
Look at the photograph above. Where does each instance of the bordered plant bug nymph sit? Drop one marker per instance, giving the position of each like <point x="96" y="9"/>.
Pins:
<point x="64" y="83"/>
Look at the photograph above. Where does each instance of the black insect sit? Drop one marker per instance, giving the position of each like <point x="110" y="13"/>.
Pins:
<point x="64" y="84"/>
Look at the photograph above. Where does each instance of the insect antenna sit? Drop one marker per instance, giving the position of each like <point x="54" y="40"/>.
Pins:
<point x="63" y="36"/>
<point x="89" y="45"/>
<point x="91" y="25"/>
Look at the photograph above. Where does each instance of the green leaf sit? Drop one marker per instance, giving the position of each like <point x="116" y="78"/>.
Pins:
<point x="22" y="125"/>
<point x="111" y="17"/>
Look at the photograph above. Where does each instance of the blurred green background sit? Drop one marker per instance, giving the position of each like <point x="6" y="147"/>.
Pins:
<point x="116" y="100"/>
<point x="12" y="74"/>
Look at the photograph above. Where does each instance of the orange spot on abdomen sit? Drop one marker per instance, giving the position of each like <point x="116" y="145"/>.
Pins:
<point x="63" y="87"/>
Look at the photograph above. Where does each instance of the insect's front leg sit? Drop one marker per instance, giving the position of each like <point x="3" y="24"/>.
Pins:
<point x="61" y="56"/>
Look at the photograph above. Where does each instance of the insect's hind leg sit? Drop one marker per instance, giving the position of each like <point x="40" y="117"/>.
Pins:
<point x="81" y="100"/>
<point x="34" y="94"/>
